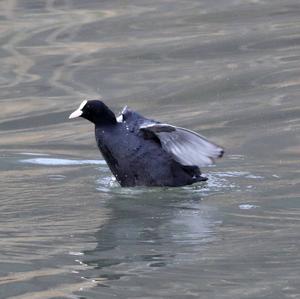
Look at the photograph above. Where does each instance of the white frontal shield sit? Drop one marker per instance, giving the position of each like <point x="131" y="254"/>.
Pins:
<point x="78" y="112"/>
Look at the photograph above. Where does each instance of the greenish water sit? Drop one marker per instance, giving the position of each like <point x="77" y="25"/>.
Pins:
<point x="226" y="69"/>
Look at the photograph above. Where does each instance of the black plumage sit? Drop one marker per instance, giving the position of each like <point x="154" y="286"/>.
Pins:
<point x="143" y="152"/>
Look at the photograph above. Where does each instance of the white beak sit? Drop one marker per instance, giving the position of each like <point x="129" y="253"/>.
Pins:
<point x="78" y="112"/>
<point x="75" y="114"/>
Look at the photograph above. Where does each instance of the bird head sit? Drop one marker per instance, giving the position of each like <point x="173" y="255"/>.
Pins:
<point x="95" y="111"/>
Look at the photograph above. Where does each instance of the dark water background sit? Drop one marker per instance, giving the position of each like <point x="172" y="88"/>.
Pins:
<point x="228" y="69"/>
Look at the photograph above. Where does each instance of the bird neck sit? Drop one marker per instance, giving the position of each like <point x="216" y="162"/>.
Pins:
<point x="105" y="119"/>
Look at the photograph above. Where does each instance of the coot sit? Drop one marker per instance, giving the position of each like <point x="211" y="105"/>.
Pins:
<point x="144" y="152"/>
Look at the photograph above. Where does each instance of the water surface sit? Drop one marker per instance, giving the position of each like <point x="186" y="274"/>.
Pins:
<point x="227" y="69"/>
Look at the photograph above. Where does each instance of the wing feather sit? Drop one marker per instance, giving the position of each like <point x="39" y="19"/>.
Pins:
<point x="187" y="147"/>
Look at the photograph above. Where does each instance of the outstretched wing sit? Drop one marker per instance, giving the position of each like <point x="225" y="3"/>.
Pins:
<point x="187" y="147"/>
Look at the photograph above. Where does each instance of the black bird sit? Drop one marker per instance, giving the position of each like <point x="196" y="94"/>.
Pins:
<point x="144" y="152"/>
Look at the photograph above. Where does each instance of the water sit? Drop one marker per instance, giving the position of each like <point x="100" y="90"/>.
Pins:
<point x="227" y="69"/>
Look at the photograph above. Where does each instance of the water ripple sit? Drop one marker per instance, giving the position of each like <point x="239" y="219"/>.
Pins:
<point x="62" y="162"/>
